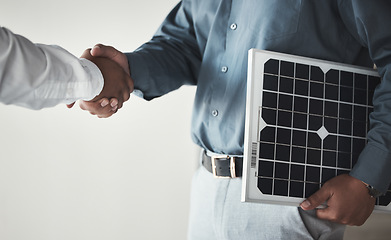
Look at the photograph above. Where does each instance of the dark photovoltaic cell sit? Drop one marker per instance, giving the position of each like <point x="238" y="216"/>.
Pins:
<point x="314" y="126"/>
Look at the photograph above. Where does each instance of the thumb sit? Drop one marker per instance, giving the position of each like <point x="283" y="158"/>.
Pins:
<point x="316" y="199"/>
<point x="70" y="105"/>
<point x="100" y="50"/>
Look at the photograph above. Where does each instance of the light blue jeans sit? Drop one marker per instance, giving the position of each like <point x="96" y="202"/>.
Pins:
<point x="216" y="213"/>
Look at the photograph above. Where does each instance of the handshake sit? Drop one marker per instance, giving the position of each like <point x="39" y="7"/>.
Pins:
<point x="118" y="84"/>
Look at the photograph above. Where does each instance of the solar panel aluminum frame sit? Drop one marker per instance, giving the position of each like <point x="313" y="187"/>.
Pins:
<point x="254" y="122"/>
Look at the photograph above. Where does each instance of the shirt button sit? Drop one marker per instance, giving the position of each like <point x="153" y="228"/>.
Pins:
<point x="215" y="113"/>
<point x="233" y="26"/>
<point x="224" y="69"/>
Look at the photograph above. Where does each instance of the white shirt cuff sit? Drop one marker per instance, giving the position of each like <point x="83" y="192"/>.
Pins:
<point x="95" y="76"/>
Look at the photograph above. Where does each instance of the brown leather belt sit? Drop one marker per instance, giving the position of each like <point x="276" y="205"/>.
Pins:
<point x="223" y="166"/>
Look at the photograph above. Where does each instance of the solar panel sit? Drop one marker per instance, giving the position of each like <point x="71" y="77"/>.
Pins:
<point x="306" y="122"/>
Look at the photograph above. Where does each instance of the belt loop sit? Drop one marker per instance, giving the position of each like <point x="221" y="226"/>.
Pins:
<point x="231" y="166"/>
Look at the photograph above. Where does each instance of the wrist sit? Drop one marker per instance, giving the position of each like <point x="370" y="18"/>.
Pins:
<point x="372" y="191"/>
<point x="95" y="78"/>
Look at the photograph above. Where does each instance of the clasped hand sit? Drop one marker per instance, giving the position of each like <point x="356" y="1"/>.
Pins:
<point x="117" y="81"/>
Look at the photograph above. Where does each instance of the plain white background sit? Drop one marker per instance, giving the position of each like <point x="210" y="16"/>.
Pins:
<point x="65" y="174"/>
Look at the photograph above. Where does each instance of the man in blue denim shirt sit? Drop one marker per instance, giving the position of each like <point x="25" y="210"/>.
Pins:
<point x="205" y="43"/>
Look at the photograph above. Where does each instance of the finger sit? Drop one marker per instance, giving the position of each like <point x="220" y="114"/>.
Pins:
<point x="113" y="102"/>
<point x="116" y="103"/>
<point x="100" y="50"/>
<point x="128" y="90"/>
<point x="334" y="214"/>
<point x="91" y="107"/>
<point x="104" y="102"/>
<point x="95" y="108"/>
<point x="130" y="84"/>
<point x="108" y="113"/>
<point x="126" y="96"/>
<point x="86" y="54"/>
<point x="316" y="199"/>
<point x="109" y="107"/>
<point x="70" y="105"/>
<point x="329" y="214"/>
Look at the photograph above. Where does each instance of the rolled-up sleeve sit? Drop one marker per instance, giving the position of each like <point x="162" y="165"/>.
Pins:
<point x="368" y="22"/>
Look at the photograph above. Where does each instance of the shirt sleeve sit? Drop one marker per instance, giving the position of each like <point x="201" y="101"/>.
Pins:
<point x="170" y="59"/>
<point x="367" y="21"/>
<point x="38" y="76"/>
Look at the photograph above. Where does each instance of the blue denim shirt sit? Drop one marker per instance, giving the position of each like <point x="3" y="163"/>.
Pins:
<point x="206" y="42"/>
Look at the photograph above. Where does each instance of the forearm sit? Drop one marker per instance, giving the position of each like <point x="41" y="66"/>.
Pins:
<point x="171" y="59"/>
<point x="156" y="72"/>
<point x="38" y="76"/>
<point x="366" y="22"/>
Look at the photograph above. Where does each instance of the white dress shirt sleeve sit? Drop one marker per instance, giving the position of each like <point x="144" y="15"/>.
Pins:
<point x="38" y="76"/>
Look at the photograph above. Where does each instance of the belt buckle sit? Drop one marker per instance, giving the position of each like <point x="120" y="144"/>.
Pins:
<point x="231" y="166"/>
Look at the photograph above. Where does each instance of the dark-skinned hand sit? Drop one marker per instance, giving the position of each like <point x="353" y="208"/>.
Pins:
<point x="116" y="90"/>
<point x="348" y="201"/>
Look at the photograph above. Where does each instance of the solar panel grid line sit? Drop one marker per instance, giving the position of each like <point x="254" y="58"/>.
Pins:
<point x="323" y="120"/>
<point x="312" y="93"/>
<point x="277" y="120"/>
<point x="301" y="164"/>
<point x="302" y="140"/>
<point x="338" y="116"/>
<point x="283" y="179"/>
<point x="323" y="124"/>
<point x="291" y="131"/>
<point x="319" y="99"/>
